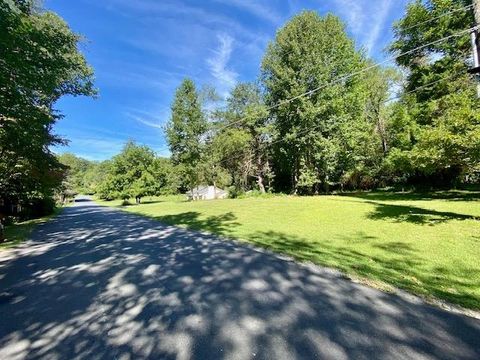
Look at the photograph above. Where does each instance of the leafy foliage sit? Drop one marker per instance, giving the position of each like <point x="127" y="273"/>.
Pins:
<point x="436" y="129"/>
<point x="135" y="173"/>
<point x="240" y="143"/>
<point x="185" y="130"/>
<point x="319" y="118"/>
<point x="310" y="53"/>
<point x="39" y="63"/>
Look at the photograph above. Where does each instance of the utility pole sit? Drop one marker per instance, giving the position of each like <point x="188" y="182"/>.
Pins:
<point x="476" y="45"/>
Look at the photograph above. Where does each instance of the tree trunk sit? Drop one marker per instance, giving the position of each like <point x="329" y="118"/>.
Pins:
<point x="294" y="176"/>
<point x="2" y="236"/>
<point x="380" y="127"/>
<point x="383" y="136"/>
<point x="260" y="183"/>
<point x="327" y="186"/>
<point x="384" y="146"/>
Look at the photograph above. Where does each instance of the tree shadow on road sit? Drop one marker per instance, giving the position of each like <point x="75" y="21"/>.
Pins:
<point x="398" y="265"/>
<point x="99" y="283"/>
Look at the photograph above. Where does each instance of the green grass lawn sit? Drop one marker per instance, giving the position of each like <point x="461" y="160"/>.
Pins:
<point x="19" y="232"/>
<point x="428" y="244"/>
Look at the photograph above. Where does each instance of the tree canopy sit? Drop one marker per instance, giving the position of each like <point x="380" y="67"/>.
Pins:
<point x="321" y="116"/>
<point x="437" y="128"/>
<point x="309" y="54"/>
<point x="39" y="63"/>
<point x="185" y="130"/>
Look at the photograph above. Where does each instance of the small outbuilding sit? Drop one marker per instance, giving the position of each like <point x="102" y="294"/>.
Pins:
<point x="207" y="193"/>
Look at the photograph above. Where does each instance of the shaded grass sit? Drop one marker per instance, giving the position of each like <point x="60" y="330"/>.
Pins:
<point x="145" y="200"/>
<point x="428" y="244"/>
<point x="19" y="232"/>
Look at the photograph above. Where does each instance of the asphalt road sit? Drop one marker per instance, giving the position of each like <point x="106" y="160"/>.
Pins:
<point x="98" y="283"/>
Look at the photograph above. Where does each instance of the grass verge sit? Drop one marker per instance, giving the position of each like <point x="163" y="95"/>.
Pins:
<point x="19" y="232"/>
<point x="427" y="244"/>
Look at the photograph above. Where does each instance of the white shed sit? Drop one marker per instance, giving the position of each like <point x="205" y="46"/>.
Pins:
<point x="207" y="193"/>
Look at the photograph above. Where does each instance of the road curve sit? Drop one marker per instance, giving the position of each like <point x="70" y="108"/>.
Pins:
<point x="99" y="283"/>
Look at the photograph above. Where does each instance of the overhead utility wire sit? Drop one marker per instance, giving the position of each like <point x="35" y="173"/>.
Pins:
<point x="388" y="60"/>
<point x="305" y="131"/>
<point x="348" y="76"/>
<point x="465" y="8"/>
<point x="396" y="97"/>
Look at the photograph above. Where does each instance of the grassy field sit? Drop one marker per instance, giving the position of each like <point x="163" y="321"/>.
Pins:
<point x="19" y="232"/>
<point x="428" y="244"/>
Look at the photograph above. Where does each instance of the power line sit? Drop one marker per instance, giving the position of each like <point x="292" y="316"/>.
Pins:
<point x="396" y="97"/>
<point x="305" y="131"/>
<point x="468" y="7"/>
<point x="348" y="76"/>
<point x="465" y="8"/>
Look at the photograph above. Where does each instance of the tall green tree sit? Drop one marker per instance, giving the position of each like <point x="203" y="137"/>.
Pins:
<point x="131" y="174"/>
<point x="242" y="137"/>
<point x="39" y="63"/>
<point x="437" y="127"/>
<point x="168" y="178"/>
<point x="313" y="146"/>
<point x="77" y="168"/>
<point x="186" y="131"/>
<point x="368" y="137"/>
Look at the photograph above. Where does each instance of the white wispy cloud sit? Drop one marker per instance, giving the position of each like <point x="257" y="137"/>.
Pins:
<point x="257" y="8"/>
<point x="147" y="122"/>
<point x="366" y="19"/>
<point x="148" y="118"/>
<point x="153" y="10"/>
<point x="354" y="13"/>
<point x="226" y="78"/>
<point x="98" y="148"/>
<point x="381" y="17"/>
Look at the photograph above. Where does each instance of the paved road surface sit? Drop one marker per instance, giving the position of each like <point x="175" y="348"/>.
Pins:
<point x="98" y="283"/>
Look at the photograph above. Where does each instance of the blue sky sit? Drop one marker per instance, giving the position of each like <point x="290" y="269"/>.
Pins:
<point x="142" y="49"/>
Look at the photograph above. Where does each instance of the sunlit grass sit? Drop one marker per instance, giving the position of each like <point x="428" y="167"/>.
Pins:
<point x="428" y="244"/>
<point x="19" y="232"/>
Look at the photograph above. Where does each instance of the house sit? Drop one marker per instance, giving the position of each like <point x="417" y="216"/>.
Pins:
<point x="204" y="192"/>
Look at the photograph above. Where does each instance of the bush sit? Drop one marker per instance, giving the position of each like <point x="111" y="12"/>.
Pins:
<point x="234" y="192"/>
<point x="38" y="208"/>
<point x="258" y="194"/>
<point x="358" y="180"/>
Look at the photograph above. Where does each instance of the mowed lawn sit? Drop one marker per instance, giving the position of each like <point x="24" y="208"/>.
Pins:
<point x="428" y="244"/>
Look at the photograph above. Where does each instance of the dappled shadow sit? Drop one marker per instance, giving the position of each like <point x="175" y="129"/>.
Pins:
<point x="399" y="266"/>
<point x="395" y="247"/>
<point x="81" y="200"/>
<point x="99" y="283"/>
<point x="178" y="199"/>
<point x="413" y="214"/>
<point x="450" y="195"/>
<point x="218" y="224"/>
